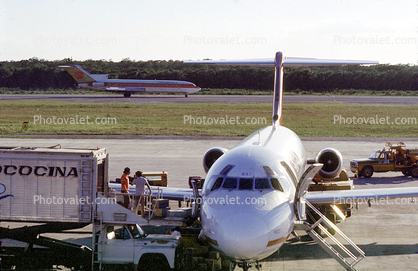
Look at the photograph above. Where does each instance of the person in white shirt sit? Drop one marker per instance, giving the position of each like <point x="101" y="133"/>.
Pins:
<point x="140" y="183"/>
<point x="176" y="231"/>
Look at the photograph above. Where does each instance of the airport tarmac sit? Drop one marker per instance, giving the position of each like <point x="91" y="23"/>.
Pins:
<point x="150" y="99"/>
<point x="387" y="231"/>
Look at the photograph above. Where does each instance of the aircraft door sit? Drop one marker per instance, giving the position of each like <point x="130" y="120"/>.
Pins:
<point x="302" y="188"/>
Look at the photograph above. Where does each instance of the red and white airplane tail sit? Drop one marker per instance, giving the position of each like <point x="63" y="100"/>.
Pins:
<point x="79" y="74"/>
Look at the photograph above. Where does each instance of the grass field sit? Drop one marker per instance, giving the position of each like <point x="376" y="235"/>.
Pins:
<point x="212" y="119"/>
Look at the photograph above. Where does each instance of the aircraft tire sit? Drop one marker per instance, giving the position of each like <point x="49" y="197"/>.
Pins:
<point x="367" y="172"/>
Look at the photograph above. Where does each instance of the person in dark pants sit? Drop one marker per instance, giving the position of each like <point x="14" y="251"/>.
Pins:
<point x="124" y="182"/>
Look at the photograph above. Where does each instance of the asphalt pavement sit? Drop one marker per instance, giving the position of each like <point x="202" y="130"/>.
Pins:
<point x="387" y="232"/>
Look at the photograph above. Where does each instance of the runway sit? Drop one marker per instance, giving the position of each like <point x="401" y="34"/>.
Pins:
<point x="150" y="99"/>
<point x="386" y="232"/>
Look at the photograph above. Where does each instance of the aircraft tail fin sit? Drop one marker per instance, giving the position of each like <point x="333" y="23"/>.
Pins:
<point x="278" y="89"/>
<point x="278" y="63"/>
<point x="79" y="74"/>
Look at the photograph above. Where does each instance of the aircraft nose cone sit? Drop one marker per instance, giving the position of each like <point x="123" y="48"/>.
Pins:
<point x="243" y="236"/>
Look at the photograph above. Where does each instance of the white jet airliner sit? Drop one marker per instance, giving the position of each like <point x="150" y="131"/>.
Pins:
<point x="255" y="194"/>
<point x="99" y="82"/>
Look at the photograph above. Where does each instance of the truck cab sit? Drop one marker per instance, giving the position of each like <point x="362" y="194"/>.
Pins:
<point x="130" y="245"/>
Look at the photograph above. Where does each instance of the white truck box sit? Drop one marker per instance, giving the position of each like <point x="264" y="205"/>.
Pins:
<point x="50" y="184"/>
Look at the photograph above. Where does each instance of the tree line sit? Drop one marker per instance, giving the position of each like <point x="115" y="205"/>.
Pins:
<point x="42" y="74"/>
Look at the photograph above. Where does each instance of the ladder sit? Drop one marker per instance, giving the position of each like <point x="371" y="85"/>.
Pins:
<point x="86" y="188"/>
<point x="341" y="252"/>
<point x="96" y="261"/>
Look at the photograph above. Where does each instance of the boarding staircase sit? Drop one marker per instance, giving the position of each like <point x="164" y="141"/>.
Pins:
<point x="348" y="258"/>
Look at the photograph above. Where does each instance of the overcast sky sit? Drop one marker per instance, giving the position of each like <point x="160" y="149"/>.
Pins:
<point x="385" y="30"/>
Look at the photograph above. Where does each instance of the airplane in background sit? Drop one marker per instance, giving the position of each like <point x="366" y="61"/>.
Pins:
<point x="256" y="194"/>
<point x="100" y="82"/>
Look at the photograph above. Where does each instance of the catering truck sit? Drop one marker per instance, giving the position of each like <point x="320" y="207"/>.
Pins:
<point x="50" y="184"/>
<point x="59" y="190"/>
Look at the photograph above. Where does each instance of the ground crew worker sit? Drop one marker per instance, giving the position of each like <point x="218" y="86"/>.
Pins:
<point x="140" y="183"/>
<point x="124" y="182"/>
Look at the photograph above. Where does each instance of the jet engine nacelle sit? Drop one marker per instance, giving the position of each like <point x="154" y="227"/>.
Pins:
<point x="211" y="156"/>
<point x="332" y="161"/>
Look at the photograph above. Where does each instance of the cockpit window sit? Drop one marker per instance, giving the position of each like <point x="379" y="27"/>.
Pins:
<point x="217" y="183"/>
<point x="245" y="184"/>
<point x="226" y="170"/>
<point x="230" y="183"/>
<point x="276" y="185"/>
<point x="262" y="183"/>
<point x="269" y="171"/>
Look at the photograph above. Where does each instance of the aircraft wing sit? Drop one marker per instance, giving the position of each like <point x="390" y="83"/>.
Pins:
<point x="360" y="195"/>
<point x="171" y="193"/>
<point x="331" y="196"/>
<point x="288" y="61"/>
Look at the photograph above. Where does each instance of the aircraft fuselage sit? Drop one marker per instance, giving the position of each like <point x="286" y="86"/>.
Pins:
<point x="247" y="200"/>
<point x="126" y="85"/>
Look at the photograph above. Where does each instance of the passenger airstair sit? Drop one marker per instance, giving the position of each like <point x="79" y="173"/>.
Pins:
<point x="348" y="258"/>
<point x="318" y="222"/>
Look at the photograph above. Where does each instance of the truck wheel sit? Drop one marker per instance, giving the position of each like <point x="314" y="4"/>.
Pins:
<point x="153" y="262"/>
<point x="367" y="172"/>
<point x="406" y="171"/>
<point x="414" y="171"/>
